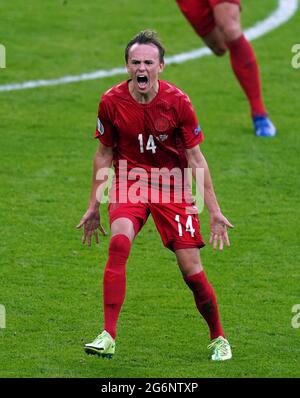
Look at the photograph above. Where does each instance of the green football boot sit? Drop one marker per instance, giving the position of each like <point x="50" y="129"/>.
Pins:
<point x="104" y="346"/>
<point x="220" y="348"/>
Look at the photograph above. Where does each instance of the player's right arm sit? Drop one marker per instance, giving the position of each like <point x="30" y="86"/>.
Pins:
<point x="101" y="166"/>
<point x="91" y="219"/>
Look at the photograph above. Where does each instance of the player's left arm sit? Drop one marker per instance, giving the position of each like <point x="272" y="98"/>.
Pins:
<point x="218" y="222"/>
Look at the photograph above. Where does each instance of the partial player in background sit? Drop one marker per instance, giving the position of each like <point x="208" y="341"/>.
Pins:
<point x="218" y="23"/>
<point x="148" y="126"/>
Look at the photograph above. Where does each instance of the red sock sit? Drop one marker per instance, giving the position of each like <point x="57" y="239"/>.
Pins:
<point x="115" y="281"/>
<point x="245" y="67"/>
<point x="206" y="302"/>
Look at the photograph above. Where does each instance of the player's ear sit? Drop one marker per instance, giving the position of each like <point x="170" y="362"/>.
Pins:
<point x="161" y="67"/>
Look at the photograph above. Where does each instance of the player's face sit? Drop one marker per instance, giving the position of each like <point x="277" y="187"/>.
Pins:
<point x="144" y="68"/>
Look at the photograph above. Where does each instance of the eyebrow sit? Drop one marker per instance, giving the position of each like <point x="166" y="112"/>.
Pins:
<point x="138" y="60"/>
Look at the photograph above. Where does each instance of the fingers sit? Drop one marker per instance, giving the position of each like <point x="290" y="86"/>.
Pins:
<point x="227" y="223"/>
<point x="226" y="238"/>
<point x="221" y="243"/>
<point x="96" y="237"/>
<point x="82" y="221"/>
<point x="91" y="229"/>
<point x="88" y="236"/>
<point x="102" y="230"/>
<point x="85" y="232"/>
<point x="219" y="237"/>
<point x="214" y="240"/>
<point x="91" y="223"/>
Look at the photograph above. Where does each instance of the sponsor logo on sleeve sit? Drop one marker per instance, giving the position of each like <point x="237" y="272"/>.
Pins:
<point x="100" y="127"/>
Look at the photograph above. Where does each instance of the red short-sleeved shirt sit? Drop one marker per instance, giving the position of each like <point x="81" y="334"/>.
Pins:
<point x="152" y="135"/>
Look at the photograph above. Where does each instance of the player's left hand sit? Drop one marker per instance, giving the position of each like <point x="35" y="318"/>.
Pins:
<point x="218" y="230"/>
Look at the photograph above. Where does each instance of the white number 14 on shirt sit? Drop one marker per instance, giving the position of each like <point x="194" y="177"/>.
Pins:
<point x="150" y="144"/>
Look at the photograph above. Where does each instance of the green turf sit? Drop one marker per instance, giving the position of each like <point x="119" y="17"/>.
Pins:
<point x="51" y="286"/>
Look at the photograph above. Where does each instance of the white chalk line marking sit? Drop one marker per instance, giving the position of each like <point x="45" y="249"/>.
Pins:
<point x="285" y="10"/>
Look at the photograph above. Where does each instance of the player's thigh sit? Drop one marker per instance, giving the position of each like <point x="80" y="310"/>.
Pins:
<point x="178" y="225"/>
<point x="199" y="13"/>
<point x="227" y="19"/>
<point x="127" y="218"/>
<point x="189" y="261"/>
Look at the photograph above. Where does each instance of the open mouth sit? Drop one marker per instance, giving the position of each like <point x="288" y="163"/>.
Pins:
<point x="142" y="81"/>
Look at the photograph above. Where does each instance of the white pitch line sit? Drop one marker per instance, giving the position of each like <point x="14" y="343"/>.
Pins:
<point x="285" y="10"/>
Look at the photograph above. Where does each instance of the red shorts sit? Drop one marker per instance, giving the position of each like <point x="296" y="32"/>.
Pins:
<point x="177" y="223"/>
<point x="200" y="13"/>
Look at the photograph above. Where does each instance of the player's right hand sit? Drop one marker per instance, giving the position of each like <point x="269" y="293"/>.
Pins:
<point x="91" y="226"/>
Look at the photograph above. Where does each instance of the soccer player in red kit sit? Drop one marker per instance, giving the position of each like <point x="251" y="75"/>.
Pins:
<point x="146" y="125"/>
<point x="218" y="23"/>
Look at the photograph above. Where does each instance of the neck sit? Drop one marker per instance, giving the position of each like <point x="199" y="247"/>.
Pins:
<point x="143" y="98"/>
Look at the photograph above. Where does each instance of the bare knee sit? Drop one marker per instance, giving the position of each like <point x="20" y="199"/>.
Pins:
<point x="189" y="261"/>
<point x="227" y="19"/>
<point x="218" y="51"/>
<point x="215" y="41"/>
<point x="217" y="48"/>
<point x="231" y="31"/>
<point x="123" y="226"/>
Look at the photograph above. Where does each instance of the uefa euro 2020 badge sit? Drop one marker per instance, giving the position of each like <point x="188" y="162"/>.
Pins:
<point x="197" y="130"/>
<point x="100" y="127"/>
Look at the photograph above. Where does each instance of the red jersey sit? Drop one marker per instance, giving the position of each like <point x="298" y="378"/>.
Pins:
<point x="150" y="136"/>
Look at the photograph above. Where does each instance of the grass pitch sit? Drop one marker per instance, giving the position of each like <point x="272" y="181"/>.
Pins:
<point x="51" y="286"/>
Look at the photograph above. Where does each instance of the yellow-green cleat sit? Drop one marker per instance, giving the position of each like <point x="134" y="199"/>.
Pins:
<point x="104" y="346"/>
<point x="220" y="348"/>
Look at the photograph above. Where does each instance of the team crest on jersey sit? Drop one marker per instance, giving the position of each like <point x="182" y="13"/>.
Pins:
<point x="161" y="124"/>
<point x="100" y="127"/>
<point x="197" y="130"/>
